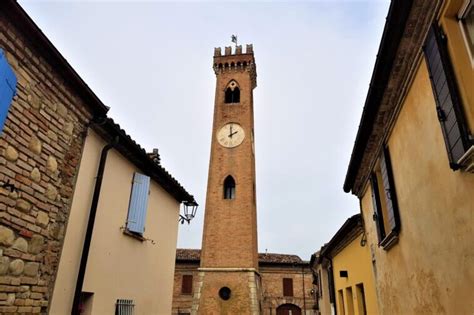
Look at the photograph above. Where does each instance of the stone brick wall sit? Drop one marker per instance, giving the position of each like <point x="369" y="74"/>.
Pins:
<point x="182" y="303"/>
<point x="272" y="284"/>
<point x="40" y="150"/>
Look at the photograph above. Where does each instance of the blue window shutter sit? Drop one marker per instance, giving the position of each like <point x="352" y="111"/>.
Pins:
<point x="138" y="203"/>
<point x="7" y="88"/>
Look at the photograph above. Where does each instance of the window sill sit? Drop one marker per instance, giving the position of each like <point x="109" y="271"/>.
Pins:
<point x="466" y="162"/>
<point x="389" y="241"/>
<point x="134" y="235"/>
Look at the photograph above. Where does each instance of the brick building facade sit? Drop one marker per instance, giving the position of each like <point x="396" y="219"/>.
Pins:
<point x="40" y="149"/>
<point x="286" y="282"/>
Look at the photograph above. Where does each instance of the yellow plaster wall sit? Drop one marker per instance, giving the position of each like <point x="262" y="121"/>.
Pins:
<point x="431" y="269"/>
<point x="356" y="260"/>
<point x="119" y="266"/>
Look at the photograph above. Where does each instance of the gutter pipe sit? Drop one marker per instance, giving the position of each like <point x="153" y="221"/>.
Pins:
<point x="90" y="227"/>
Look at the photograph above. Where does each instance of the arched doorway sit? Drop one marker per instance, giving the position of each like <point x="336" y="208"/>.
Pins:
<point x="288" y="309"/>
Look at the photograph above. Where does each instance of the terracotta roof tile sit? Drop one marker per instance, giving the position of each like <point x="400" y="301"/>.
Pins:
<point x="183" y="254"/>
<point x="188" y="254"/>
<point x="272" y="258"/>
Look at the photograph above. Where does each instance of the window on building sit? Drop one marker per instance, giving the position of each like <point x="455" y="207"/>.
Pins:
<point x="448" y="103"/>
<point x="385" y="204"/>
<point x="360" y="294"/>
<point x="229" y="188"/>
<point x="187" y="284"/>
<point x="232" y="93"/>
<point x="138" y="204"/>
<point x="340" y="303"/>
<point x="124" y="307"/>
<point x="287" y="287"/>
<point x="7" y="88"/>
<point x="349" y="301"/>
<point x="466" y="21"/>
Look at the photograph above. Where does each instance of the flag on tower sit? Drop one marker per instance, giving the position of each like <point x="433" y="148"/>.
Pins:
<point x="234" y="39"/>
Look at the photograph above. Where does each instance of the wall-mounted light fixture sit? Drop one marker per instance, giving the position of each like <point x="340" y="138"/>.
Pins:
<point x="189" y="211"/>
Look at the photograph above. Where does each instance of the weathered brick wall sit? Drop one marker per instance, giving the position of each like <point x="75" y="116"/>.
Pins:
<point x="182" y="303"/>
<point x="272" y="283"/>
<point x="40" y="150"/>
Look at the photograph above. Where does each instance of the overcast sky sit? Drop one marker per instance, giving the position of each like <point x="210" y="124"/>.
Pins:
<point x="151" y="62"/>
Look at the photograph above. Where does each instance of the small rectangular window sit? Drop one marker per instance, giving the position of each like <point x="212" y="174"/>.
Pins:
<point x="138" y="204"/>
<point x="340" y="303"/>
<point x="349" y="301"/>
<point x="7" y="88"/>
<point x="386" y="215"/>
<point x="124" y="307"/>
<point x="287" y="287"/>
<point x="187" y="284"/>
<point x="360" y="294"/>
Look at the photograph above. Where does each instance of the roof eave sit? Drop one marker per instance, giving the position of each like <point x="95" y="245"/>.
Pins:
<point x="392" y="35"/>
<point x="351" y="224"/>
<point x="138" y="156"/>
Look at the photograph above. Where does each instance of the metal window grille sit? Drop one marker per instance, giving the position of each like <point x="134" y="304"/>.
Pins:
<point x="124" y="307"/>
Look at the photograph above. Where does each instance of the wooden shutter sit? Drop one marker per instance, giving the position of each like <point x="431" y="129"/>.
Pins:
<point x="389" y="190"/>
<point x="187" y="284"/>
<point x="287" y="287"/>
<point x="138" y="203"/>
<point x="448" y="102"/>
<point x="7" y="88"/>
<point x="378" y="216"/>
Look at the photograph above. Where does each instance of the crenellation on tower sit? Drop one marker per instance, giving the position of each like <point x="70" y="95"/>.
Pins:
<point x="249" y="49"/>
<point x="237" y="51"/>
<point x="236" y="62"/>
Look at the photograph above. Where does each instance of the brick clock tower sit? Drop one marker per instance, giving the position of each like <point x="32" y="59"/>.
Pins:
<point x="228" y="280"/>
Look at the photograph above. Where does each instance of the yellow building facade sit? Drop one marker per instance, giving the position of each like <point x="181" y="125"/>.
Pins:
<point x="412" y="163"/>
<point x="343" y="273"/>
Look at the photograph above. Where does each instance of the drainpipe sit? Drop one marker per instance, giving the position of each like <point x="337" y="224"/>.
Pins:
<point x="90" y="227"/>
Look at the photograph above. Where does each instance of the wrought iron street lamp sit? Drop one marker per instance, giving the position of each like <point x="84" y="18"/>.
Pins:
<point x="189" y="209"/>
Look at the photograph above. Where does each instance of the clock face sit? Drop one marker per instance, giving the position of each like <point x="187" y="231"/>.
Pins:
<point x="230" y="135"/>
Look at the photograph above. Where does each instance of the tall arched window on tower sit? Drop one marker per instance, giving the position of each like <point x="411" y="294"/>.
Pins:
<point x="232" y="93"/>
<point x="229" y="188"/>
